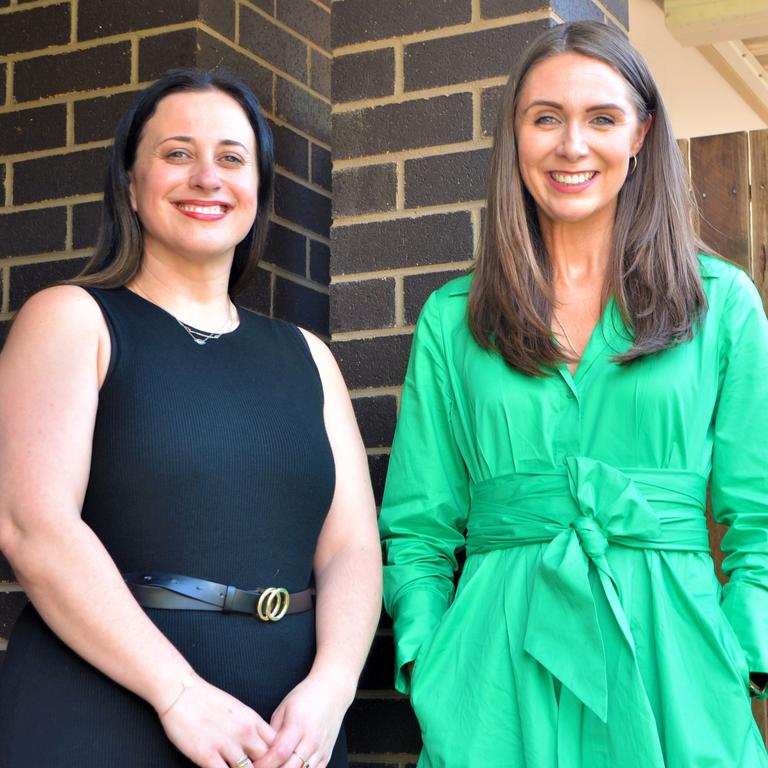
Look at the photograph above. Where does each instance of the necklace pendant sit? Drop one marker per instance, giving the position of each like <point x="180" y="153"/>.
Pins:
<point x="201" y="342"/>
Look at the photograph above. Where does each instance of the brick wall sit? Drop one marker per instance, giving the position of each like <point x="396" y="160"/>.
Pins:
<point x="415" y="89"/>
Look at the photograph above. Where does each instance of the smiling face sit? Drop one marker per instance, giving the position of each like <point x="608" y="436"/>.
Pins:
<point x="576" y="128"/>
<point x="194" y="181"/>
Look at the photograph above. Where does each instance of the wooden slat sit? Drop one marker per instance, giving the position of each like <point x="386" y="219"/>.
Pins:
<point x="720" y="177"/>
<point x="758" y="153"/>
<point x="760" y="710"/>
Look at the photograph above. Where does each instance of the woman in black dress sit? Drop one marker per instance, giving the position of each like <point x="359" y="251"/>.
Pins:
<point x="158" y="445"/>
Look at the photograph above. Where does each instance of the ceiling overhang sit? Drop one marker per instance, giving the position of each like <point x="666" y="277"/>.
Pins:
<point x="733" y="36"/>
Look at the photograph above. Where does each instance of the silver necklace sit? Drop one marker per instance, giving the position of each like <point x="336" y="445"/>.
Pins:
<point x="198" y="336"/>
<point x="566" y="337"/>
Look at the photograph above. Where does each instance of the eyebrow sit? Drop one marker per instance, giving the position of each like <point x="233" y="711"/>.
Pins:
<point x="189" y="140"/>
<point x="556" y="105"/>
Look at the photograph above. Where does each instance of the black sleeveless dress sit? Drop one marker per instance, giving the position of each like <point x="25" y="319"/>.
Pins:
<point x="208" y="460"/>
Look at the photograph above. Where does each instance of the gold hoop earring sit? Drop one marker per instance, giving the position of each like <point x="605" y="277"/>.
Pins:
<point x="633" y="161"/>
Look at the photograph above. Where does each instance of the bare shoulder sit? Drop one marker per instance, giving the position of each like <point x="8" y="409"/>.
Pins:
<point x="62" y="323"/>
<point x="322" y="355"/>
<point x="61" y="310"/>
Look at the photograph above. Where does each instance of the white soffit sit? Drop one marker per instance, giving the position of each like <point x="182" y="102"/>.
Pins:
<point x="733" y="36"/>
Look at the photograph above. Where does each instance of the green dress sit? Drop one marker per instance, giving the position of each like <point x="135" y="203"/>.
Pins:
<point x="588" y="629"/>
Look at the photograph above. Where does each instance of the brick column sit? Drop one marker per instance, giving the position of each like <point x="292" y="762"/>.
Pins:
<point x="415" y="90"/>
<point x="68" y="70"/>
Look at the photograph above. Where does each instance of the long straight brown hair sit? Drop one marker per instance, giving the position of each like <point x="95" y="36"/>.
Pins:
<point x="117" y="257"/>
<point x="653" y="269"/>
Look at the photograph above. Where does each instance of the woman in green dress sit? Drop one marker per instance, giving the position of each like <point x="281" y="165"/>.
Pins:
<point x="565" y="409"/>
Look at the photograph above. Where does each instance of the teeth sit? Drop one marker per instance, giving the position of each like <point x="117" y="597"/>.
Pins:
<point x="572" y="178"/>
<point x="216" y="209"/>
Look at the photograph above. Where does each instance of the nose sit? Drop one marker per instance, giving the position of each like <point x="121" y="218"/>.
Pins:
<point x="205" y="175"/>
<point x="573" y="145"/>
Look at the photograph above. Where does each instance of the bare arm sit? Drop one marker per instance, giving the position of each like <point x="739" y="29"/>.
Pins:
<point x="50" y="372"/>
<point x="348" y="577"/>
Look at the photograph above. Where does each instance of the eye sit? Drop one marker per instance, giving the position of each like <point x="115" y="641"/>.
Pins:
<point x="545" y="120"/>
<point x="603" y="120"/>
<point x="232" y="159"/>
<point x="177" y="154"/>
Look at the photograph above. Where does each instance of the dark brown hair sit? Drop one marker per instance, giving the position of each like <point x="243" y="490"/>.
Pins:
<point x="653" y="269"/>
<point x="118" y="253"/>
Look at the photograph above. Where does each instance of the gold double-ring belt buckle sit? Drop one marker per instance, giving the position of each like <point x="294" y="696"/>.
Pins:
<point x="273" y="604"/>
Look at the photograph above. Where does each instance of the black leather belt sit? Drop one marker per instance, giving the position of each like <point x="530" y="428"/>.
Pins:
<point x="154" y="589"/>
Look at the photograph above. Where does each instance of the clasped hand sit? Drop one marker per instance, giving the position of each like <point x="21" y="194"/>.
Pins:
<point x="215" y="730"/>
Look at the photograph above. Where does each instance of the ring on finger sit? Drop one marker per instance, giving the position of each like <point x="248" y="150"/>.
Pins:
<point x="304" y="763"/>
<point x="243" y="762"/>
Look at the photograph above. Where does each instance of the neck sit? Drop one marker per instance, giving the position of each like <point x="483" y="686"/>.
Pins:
<point x="197" y="295"/>
<point x="579" y="253"/>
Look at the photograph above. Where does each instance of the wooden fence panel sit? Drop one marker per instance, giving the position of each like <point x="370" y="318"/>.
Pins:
<point x="720" y="178"/>
<point x="758" y="155"/>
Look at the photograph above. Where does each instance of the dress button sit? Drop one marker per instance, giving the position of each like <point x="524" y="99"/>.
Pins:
<point x="569" y="394"/>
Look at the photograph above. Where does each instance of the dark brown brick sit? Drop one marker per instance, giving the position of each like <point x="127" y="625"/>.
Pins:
<point x="382" y="725"/>
<point x="302" y="205"/>
<point x="366" y="304"/>
<point x="87" y="70"/>
<point x="392" y="127"/>
<point x="364" y="20"/>
<point x="302" y="109"/>
<point x="377" y="467"/>
<point x="473" y="56"/>
<point x="34" y="29"/>
<point x="366" y="75"/>
<point x="5" y="326"/>
<point x="3" y="76"/>
<point x="376" y="417"/>
<point x="620" y="9"/>
<point x="307" y="19"/>
<point x="195" y="48"/>
<point x="378" y="672"/>
<point x="355" y="763"/>
<point x="31" y="129"/>
<point x="494" y="9"/>
<point x="270" y="42"/>
<point x="291" y="150"/>
<point x="377" y="362"/>
<point x="319" y="262"/>
<point x="321" y="73"/>
<point x="321" y="167"/>
<point x="49" y="178"/>
<point x="450" y="178"/>
<point x="490" y="100"/>
<point x="363" y="189"/>
<point x="436" y="239"/>
<point x="11" y="605"/>
<point x="301" y="305"/>
<point x="576" y="10"/>
<point x="29" y="232"/>
<point x="416" y="290"/>
<point x="97" y="119"/>
<point x="92" y="21"/>
<point x="27" y="279"/>
<point x="286" y="249"/>
<point x="265" y="5"/>
<point x="258" y="293"/>
<point x="85" y="224"/>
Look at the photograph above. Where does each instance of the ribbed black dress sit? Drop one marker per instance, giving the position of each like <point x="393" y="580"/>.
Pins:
<point x="208" y="460"/>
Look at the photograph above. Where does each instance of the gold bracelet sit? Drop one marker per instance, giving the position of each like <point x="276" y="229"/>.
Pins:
<point x="186" y="683"/>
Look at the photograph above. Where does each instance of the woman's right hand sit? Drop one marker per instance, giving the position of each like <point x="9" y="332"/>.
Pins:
<point x="214" y="729"/>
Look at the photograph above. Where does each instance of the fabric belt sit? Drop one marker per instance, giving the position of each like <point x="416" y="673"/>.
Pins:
<point x="155" y="589"/>
<point x="575" y="612"/>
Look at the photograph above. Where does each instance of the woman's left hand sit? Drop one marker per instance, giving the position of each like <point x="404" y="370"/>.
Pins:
<point x="307" y="724"/>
